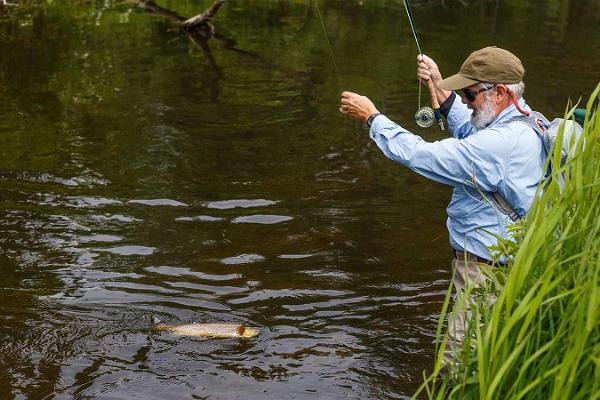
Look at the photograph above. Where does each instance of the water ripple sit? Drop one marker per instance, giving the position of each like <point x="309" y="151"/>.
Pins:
<point x="116" y="217"/>
<point x="98" y="238"/>
<point x="86" y="201"/>
<point x="129" y="250"/>
<point x="303" y="294"/>
<point x="217" y="290"/>
<point x="84" y="180"/>
<point x="242" y="259"/>
<point x="158" y="202"/>
<point x="239" y="203"/>
<point x="295" y="256"/>
<point x="265" y="219"/>
<point x="183" y="271"/>
<point x="199" y="218"/>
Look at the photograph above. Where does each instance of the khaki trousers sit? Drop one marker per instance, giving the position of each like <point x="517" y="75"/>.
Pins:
<point x="468" y="272"/>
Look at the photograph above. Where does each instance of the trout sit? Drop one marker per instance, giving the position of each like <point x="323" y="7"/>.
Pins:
<point x="210" y="330"/>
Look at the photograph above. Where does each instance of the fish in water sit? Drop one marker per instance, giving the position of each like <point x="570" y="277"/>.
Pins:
<point x="210" y="330"/>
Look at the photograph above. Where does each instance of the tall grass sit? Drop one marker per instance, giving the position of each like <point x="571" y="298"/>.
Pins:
<point x="540" y="339"/>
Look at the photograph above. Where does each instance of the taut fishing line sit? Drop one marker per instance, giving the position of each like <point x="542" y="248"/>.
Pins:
<point x="337" y="71"/>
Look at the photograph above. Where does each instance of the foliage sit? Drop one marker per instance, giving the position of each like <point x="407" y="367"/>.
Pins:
<point x="541" y="337"/>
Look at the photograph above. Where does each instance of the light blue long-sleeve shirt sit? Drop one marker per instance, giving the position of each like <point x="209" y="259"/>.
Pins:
<point x="504" y="157"/>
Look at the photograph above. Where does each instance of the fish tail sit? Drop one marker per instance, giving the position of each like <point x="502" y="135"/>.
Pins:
<point x="161" y="327"/>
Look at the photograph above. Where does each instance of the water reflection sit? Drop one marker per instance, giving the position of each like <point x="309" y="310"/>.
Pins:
<point x="242" y="259"/>
<point x="159" y="202"/>
<point x="243" y="203"/>
<point x="138" y="183"/>
<point x="262" y="219"/>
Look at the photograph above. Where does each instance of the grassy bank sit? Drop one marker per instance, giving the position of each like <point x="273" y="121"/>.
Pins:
<point x="541" y="337"/>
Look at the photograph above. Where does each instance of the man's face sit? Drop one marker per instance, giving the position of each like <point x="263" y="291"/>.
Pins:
<point x="483" y="106"/>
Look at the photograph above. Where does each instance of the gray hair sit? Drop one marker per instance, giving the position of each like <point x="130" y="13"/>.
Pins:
<point x="517" y="88"/>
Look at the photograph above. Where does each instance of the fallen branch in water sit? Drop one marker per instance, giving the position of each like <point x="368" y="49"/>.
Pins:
<point x="198" y="28"/>
<point x="198" y="24"/>
<point x="154" y="8"/>
<point x="200" y="32"/>
<point x="199" y="19"/>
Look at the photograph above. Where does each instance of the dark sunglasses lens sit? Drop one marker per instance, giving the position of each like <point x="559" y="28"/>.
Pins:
<point x="467" y="94"/>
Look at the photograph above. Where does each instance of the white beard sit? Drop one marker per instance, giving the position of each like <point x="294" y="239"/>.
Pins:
<point x="483" y="117"/>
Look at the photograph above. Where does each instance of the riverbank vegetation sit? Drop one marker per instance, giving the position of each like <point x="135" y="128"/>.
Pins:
<point x="541" y="337"/>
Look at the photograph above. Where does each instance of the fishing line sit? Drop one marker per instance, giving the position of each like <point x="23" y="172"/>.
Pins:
<point x="337" y="71"/>
<point x="412" y="24"/>
<point x="425" y="116"/>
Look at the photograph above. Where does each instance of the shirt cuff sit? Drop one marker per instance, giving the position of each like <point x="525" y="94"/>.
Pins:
<point x="447" y="104"/>
<point x="383" y="126"/>
<point x="372" y="118"/>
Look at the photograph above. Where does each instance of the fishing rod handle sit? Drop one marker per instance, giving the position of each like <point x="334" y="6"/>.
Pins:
<point x="432" y="94"/>
<point x="435" y="104"/>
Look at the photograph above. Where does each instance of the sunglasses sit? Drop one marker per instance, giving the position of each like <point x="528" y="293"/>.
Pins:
<point x="471" y="95"/>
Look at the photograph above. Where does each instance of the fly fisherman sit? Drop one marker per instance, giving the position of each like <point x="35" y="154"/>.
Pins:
<point x="487" y="153"/>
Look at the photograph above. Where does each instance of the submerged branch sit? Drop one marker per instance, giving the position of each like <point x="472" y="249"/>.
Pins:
<point x="198" y="28"/>
<point x="197" y="22"/>
<point x="154" y="8"/>
<point x="204" y="17"/>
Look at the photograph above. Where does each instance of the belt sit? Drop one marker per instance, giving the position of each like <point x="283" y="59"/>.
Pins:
<point x="462" y="255"/>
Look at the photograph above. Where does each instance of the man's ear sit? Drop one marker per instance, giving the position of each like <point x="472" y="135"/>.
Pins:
<point x="501" y="93"/>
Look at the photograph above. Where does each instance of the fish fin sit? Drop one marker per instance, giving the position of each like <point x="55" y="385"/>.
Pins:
<point x="161" y="327"/>
<point x="241" y="329"/>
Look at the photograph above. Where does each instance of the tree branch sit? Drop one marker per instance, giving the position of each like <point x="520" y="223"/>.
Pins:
<point x="204" y="17"/>
<point x="154" y="8"/>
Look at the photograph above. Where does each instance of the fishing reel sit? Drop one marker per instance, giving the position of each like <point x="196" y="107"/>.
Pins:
<point x="425" y="117"/>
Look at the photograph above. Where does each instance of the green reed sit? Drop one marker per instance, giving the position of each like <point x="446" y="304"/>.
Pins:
<point x="540" y="339"/>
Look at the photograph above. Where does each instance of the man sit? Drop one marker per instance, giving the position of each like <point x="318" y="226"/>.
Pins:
<point x="487" y="152"/>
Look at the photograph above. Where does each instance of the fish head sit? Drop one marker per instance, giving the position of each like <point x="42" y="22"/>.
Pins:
<point x="249" y="332"/>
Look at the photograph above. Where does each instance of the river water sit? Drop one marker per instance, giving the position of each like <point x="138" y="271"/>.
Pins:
<point x="140" y="179"/>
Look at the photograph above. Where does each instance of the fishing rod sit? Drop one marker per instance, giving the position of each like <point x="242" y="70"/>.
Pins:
<point x="424" y="117"/>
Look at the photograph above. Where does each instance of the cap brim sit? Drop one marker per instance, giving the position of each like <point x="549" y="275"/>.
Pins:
<point x="456" y="82"/>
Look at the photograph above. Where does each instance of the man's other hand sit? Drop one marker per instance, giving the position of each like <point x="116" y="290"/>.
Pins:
<point x="427" y="69"/>
<point x="357" y="106"/>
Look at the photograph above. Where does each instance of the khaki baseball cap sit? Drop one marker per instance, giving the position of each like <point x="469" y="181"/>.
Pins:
<point x="490" y="64"/>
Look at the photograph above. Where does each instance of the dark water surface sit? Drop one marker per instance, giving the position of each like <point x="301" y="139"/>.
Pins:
<point x="138" y="180"/>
